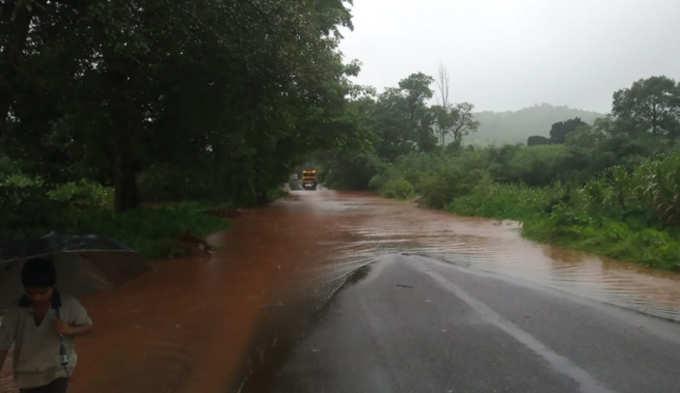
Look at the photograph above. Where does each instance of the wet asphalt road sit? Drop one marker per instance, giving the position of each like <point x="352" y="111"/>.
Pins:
<point x="414" y="324"/>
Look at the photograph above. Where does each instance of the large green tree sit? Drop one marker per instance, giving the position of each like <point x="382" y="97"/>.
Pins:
<point x="650" y="105"/>
<point x="464" y="122"/>
<point x="240" y="89"/>
<point x="403" y="121"/>
<point x="560" y="130"/>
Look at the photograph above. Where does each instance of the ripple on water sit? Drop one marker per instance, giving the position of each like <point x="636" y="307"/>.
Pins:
<point x="380" y="227"/>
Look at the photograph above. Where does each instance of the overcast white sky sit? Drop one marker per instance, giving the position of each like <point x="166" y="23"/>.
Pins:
<point x="509" y="54"/>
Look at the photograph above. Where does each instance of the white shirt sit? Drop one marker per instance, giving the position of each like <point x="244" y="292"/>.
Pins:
<point x="36" y="347"/>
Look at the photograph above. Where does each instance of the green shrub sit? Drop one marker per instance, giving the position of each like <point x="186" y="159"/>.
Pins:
<point x="83" y="194"/>
<point x="388" y="172"/>
<point x="507" y="201"/>
<point x="533" y="165"/>
<point x="435" y="189"/>
<point x="397" y="188"/>
<point x="651" y="246"/>
<point x="349" y="170"/>
<point x="656" y="184"/>
<point x="25" y="208"/>
<point x="153" y="231"/>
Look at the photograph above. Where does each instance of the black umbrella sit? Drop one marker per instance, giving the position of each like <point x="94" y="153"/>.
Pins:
<point x="59" y="243"/>
<point x="85" y="263"/>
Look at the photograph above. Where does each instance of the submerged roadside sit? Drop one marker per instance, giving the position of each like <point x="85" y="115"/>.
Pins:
<point x="551" y="215"/>
<point x="629" y="214"/>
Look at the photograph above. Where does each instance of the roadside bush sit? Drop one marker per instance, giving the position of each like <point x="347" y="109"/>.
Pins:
<point x="651" y="246"/>
<point x="398" y="188"/>
<point x="436" y="177"/>
<point x="657" y="186"/>
<point x="506" y="201"/>
<point x="153" y="232"/>
<point x="533" y="165"/>
<point x="83" y="194"/>
<point x="387" y="173"/>
<point x="350" y="171"/>
<point x="25" y="208"/>
<point x="650" y="193"/>
<point x="7" y="167"/>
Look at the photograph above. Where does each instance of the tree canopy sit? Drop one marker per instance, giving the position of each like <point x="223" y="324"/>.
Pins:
<point x="560" y="130"/>
<point x="403" y="121"/>
<point x="650" y="105"/>
<point x="108" y="89"/>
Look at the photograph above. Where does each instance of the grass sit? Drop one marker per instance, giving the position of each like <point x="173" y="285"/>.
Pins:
<point x="655" y="247"/>
<point x="153" y="231"/>
<point x="547" y="220"/>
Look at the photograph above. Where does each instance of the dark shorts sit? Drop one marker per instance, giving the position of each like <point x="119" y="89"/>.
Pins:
<point x="57" y="386"/>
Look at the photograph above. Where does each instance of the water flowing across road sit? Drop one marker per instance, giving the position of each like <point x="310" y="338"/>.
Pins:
<point x="205" y="324"/>
<point x="373" y="226"/>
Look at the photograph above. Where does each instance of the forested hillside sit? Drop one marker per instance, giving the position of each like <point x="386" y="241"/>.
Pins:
<point x="498" y="128"/>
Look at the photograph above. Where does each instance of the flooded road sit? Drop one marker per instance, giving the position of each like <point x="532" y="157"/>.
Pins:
<point x="496" y="246"/>
<point x="240" y="319"/>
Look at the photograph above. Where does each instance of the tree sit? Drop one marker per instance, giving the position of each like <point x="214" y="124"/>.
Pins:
<point x="444" y="117"/>
<point x="650" y="105"/>
<point x="444" y="86"/>
<point x="537" y="140"/>
<point x="15" y="17"/>
<point x="457" y="119"/>
<point x="110" y="88"/>
<point x="465" y="122"/>
<point x="417" y="90"/>
<point x="560" y="130"/>
<point x="403" y="122"/>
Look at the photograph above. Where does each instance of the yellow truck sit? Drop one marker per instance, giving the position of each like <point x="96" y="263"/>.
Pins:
<point x="309" y="179"/>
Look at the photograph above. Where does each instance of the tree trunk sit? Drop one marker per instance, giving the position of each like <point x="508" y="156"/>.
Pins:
<point x="127" y="194"/>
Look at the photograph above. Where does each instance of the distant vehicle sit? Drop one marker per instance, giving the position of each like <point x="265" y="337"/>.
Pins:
<point x="309" y="179"/>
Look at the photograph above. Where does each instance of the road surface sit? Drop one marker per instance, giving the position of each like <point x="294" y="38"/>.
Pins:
<point x="415" y="324"/>
<point x="434" y="303"/>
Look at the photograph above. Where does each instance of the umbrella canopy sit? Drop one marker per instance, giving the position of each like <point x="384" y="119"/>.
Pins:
<point x="55" y="242"/>
<point x="85" y="264"/>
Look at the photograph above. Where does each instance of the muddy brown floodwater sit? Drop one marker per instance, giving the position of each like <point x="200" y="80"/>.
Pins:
<point x="202" y="324"/>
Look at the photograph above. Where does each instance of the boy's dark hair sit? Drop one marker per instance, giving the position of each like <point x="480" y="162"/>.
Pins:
<point x="38" y="273"/>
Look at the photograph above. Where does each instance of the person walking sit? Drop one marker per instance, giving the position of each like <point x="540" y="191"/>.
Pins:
<point x="42" y="327"/>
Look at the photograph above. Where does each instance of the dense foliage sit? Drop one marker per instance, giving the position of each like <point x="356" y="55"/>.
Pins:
<point x="110" y="90"/>
<point x="612" y="187"/>
<point x="397" y="122"/>
<point x="163" y="100"/>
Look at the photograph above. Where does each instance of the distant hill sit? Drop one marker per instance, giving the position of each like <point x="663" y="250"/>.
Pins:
<point x="498" y="128"/>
